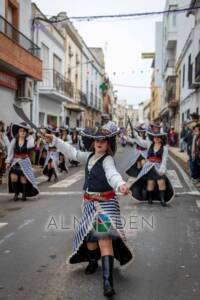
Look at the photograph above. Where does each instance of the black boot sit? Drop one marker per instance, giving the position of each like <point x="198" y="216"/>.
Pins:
<point x="162" y="197"/>
<point x="16" y="191"/>
<point x="150" y="197"/>
<point x="24" y="192"/>
<point x="49" y="175"/>
<point x="107" y="266"/>
<point x="93" y="263"/>
<point x="55" y="175"/>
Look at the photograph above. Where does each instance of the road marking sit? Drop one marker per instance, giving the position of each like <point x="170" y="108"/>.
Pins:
<point x="27" y="222"/>
<point x="51" y="193"/>
<point x="41" y="179"/>
<point x="197" y="193"/>
<point x="198" y="203"/>
<point x="69" y="180"/>
<point x="3" y="224"/>
<point x="174" y="179"/>
<point x="6" y="237"/>
<point x="185" y="176"/>
<point x="61" y="193"/>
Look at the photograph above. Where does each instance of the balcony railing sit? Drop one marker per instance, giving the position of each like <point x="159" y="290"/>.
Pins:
<point x="18" y="37"/>
<point x="54" y="80"/>
<point x="197" y="68"/>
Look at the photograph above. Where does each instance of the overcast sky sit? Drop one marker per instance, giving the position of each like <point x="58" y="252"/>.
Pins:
<point x="122" y="41"/>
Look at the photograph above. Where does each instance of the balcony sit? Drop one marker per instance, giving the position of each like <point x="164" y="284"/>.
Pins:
<point x="170" y="97"/>
<point x="56" y="86"/>
<point x="170" y="68"/>
<point x="18" y="54"/>
<point x="171" y="38"/>
<point x="83" y="98"/>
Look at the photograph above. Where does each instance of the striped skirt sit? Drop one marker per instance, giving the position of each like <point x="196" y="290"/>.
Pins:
<point x="109" y="214"/>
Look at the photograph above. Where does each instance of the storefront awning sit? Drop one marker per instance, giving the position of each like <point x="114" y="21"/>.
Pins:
<point x="74" y="107"/>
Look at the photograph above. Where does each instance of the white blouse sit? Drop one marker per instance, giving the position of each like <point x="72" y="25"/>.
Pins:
<point x="30" y="144"/>
<point x="113" y="176"/>
<point x="146" y="144"/>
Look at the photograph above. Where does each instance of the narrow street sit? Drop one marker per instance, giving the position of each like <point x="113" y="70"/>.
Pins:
<point x="36" y="238"/>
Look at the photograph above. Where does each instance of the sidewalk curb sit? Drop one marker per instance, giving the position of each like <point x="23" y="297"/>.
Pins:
<point x="180" y="161"/>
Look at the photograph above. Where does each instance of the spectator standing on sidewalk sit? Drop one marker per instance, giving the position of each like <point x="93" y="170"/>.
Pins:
<point x="196" y="154"/>
<point x="188" y="140"/>
<point x="183" y="134"/>
<point x="4" y="144"/>
<point x="172" y="137"/>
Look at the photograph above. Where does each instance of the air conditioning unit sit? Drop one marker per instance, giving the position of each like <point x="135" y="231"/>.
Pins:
<point x="25" y="89"/>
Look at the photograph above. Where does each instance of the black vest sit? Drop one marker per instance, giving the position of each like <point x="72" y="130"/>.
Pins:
<point x="158" y="154"/>
<point x="23" y="149"/>
<point x="95" y="179"/>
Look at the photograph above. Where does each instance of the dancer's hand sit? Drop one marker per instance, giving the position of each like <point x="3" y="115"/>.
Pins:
<point x="7" y="166"/>
<point x="48" y="138"/>
<point x="124" y="189"/>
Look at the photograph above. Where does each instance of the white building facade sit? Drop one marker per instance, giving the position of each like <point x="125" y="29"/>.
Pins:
<point x="176" y="28"/>
<point x="52" y="91"/>
<point x="92" y="77"/>
<point x="189" y="64"/>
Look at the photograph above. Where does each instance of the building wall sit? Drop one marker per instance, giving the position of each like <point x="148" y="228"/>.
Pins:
<point x="2" y="8"/>
<point x="176" y="30"/>
<point x="47" y="35"/>
<point x="7" y="114"/>
<point x="48" y="106"/>
<point x="25" y="17"/>
<point x="91" y="75"/>
<point x="189" y="98"/>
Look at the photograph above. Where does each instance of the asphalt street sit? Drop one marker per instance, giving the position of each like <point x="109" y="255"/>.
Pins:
<point x="36" y="237"/>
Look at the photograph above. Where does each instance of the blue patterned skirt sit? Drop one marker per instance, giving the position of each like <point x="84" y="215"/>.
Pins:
<point x="100" y="219"/>
<point x="23" y="167"/>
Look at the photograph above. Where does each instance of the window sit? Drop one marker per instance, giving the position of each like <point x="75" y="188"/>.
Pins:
<point x="183" y="119"/>
<point x="183" y="79"/>
<point x="67" y="121"/>
<point x="173" y="19"/>
<point x="41" y="118"/>
<point x="87" y="88"/>
<point x="91" y="95"/>
<point x="12" y="14"/>
<point x="69" y="73"/>
<point x="45" y="56"/>
<point x="188" y="114"/>
<point x="190" y="67"/>
<point x="57" y="62"/>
